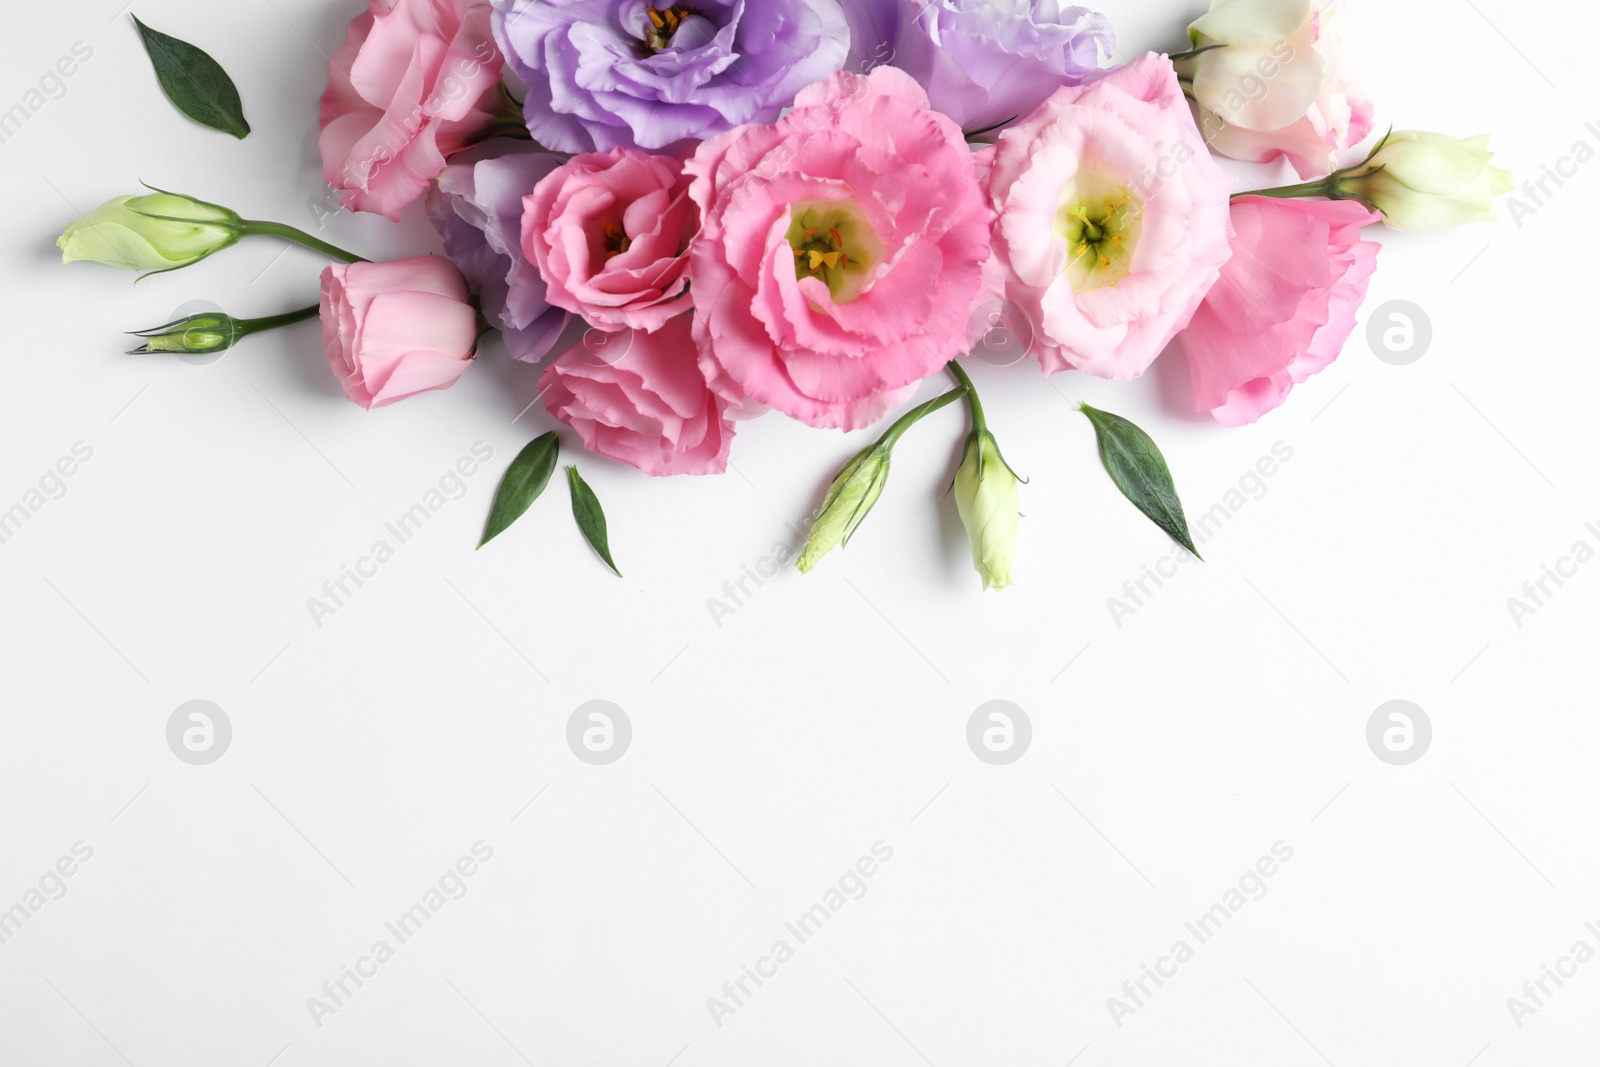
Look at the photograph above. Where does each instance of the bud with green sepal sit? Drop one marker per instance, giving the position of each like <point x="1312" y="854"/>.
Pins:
<point x="1418" y="181"/>
<point x="986" y="495"/>
<point x="1428" y="181"/>
<point x="156" y="232"/>
<point x="858" y="485"/>
<point x="212" y="331"/>
<point x="161" y="231"/>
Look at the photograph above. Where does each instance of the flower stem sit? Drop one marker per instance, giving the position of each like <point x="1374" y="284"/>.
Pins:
<point x="1332" y="186"/>
<point x="909" y="419"/>
<point x="1191" y="53"/>
<point x="247" y="327"/>
<point x="974" y="405"/>
<point x="250" y="228"/>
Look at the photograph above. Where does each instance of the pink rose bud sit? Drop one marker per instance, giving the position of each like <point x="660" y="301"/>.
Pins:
<point x="394" y="330"/>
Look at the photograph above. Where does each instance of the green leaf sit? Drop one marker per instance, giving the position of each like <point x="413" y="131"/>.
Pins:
<point x="1136" y="465"/>
<point x="194" y="82"/>
<point x="524" y="480"/>
<point x="591" y="520"/>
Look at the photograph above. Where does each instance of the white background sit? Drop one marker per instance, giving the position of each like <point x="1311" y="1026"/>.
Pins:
<point x="826" y="714"/>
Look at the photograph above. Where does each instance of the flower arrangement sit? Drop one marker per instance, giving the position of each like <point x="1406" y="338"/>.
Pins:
<point x="807" y="208"/>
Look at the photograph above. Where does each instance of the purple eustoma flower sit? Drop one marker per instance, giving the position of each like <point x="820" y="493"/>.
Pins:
<point x="982" y="62"/>
<point x="477" y="209"/>
<point x="603" y="74"/>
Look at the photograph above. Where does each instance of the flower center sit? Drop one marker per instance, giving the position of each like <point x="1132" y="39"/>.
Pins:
<point x="615" y="240"/>
<point x="833" y="241"/>
<point x="664" y="22"/>
<point x="1099" y="218"/>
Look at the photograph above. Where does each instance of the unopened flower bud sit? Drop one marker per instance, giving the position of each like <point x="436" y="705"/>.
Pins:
<point x="158" y="232"/>
<point x="1427" y="181"/>
<point x="987" y="501"/>
<point x="855" y="489"/>
<point x="206" y="332"/>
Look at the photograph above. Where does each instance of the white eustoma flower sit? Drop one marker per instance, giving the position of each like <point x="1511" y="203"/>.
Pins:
<point x="1267" y="81"/>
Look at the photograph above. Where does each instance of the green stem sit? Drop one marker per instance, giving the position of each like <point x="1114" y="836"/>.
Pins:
<point x="1191" y="53"/>
<point x="1333" y="185"/>
<point x="250" y="228"/>
<point x="247" y="327"/>
<point x="1321" y="187"/>
<point x="974" y="405"/>
<point x="906" y="421"/>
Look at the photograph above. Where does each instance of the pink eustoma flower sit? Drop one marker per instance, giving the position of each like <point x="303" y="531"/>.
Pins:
<point x="1111" y="219"/>
<point x="415" y="81"/>
<point x="840" y="252"/>
<point x="610" y="231"/>
<point x="394" y="330"/>
<point x="1284" y="306"/>
<point x="641" y="398"/>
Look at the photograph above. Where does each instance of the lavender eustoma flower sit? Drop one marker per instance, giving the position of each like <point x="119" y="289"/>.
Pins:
<point x="982" y="62"/>
<point x="603" y="74"/>
<point x="477" y="209"/>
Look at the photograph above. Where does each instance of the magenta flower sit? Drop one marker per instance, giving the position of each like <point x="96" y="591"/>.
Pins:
<point x="1284" y="305"/>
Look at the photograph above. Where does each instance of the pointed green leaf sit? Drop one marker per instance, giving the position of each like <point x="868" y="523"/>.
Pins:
<point x="194" y="82"/>
<point x="591" y="519"/>
<point x="1136" y="465"/>
<point x="524" y="480"/>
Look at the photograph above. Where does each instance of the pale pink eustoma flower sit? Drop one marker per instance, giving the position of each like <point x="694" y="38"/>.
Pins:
<point x="1111" y="219"/>
<point x="415" y="82"/>
<point x="1284" y="305"/>
<point x="396" y="329"/>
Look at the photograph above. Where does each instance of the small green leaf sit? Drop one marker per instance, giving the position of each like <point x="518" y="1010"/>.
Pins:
<point x="591" y="520"/>
<point x="524" y="480"/>
<point x="194" y="82"/>
<point x="1136" y="465"/>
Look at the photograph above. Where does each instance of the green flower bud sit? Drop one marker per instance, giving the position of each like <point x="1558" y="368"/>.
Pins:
<point x="1427" y="181"/>
<point x="987" y="501"/>
<point x="855" y="489"/>
<point x="206" y="332"/>
<point x="158" y="232"/>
